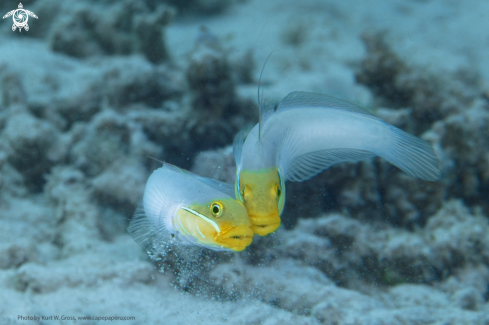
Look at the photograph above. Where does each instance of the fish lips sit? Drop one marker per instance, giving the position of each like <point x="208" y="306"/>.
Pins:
<point x="263" y="225"/>
<point x="237" y="238"/>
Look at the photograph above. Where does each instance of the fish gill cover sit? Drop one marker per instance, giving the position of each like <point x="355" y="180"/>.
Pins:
<point x="95" y="87"/>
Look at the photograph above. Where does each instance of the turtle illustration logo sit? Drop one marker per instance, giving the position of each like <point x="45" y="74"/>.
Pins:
<point x="20" y="16"/>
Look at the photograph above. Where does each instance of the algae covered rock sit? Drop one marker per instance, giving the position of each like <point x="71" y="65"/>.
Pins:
<point x="218" y="113"/>
<point x="122" y="28"/>
<point x="207" y="7"/>
<point x="209" y="76"/>
<point x="30" y="145"/>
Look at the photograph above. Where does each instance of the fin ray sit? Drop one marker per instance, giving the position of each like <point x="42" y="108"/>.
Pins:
<point x="226" y="188"/>
<point x="266" y="111"/>
<point x="308" y="165"/>
<point x="263" y="110"/>
<point x="411" y="154"/>
<point x="238" y="142"/>
<point x="298" y="99"/>
<point x="142" y="231"/>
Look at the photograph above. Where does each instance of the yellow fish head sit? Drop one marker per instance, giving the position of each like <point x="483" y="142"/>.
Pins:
<point x="263" y="193"/>
<point x="223" y="223"/>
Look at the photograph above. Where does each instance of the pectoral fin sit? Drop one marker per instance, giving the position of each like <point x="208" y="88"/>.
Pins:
<point x="142" y="231"/>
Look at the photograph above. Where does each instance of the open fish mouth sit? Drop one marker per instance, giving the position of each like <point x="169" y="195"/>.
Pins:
<point x="264" y="225"/>
<point x="237" y="239"/>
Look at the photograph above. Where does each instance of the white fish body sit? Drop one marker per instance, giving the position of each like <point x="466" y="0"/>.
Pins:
<point x="307" y="134"/>
<point x="311" y="132"/>
<point x="177" y="207"/>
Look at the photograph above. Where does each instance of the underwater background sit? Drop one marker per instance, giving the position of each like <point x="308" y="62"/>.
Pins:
<point x="95" y="88"/>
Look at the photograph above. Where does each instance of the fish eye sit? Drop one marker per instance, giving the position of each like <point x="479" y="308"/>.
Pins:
<point x="242" y="192"/>
<point x="279" y="191"/>
<point x="216" y="209"/>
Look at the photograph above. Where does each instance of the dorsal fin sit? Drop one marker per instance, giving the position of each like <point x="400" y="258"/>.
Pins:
<point x="238" y="148"/>
<point x="262" y="110"/>
<point x="299" y="99"/>
<point x="226" y="188"/>
<point x="174" y="168"/>
<point x="156" y="159"/>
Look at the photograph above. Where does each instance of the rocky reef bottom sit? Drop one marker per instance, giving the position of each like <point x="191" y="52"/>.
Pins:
<point x="82" y="108"/>
<point x="327" y="270"/>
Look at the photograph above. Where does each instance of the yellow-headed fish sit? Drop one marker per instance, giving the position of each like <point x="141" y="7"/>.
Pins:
<point x="182" y="207"/>
<point x="307" y="134"/>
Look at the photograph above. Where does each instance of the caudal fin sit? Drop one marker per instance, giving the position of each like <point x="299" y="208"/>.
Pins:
<point x="412" y="155"/>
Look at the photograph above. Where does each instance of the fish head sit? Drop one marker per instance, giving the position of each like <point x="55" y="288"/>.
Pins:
<point x="222" y="224"/>
<point x="263" y="193"/>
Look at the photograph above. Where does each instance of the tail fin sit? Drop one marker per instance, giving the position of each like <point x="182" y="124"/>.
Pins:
<point x="411" y="154"/>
